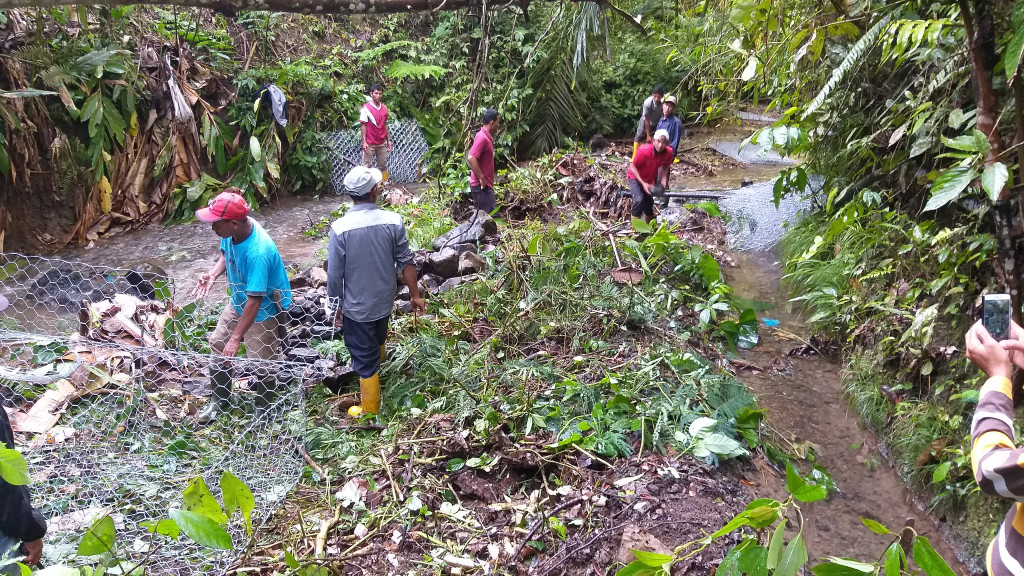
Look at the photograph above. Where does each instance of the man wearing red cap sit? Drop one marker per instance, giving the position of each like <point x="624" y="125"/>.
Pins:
<point x="259" y="290"/>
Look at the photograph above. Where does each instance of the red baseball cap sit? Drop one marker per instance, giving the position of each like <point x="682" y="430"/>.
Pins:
<point x="224" y="206"/>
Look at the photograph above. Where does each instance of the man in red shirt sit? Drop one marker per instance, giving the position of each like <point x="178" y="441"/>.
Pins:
<point x="376" y="138"/>
<point x="648" y="169"/>
<point x="481" y="162"/>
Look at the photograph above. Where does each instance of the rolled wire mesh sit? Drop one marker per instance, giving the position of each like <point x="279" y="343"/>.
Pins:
<point x="404" y="161"/>
<point x="106" y="374"/>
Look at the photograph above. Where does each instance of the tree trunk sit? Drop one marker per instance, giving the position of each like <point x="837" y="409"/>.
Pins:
<point x="981" y="43"/>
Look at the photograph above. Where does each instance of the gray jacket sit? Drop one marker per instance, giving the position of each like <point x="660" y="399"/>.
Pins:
<point x="367" y="247"/>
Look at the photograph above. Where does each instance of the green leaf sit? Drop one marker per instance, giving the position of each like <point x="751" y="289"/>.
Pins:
<point x="13" y="468"/>
<point x="929" y="560"/>
<point x="843" y="567"/>
<point x="237" y="496"/>
<point x="723" y="445"/>
<point x="202" y="529"/>
<point x="948" y="186"/>
<point x="800" y="489"/>
<point x="793" y="558"/>
<point x="710" y="269"/>
<point x="652" y="559"/>
<point x="1013" y="52"/>
<point x="775" y="546"/>
<point x="255" y="149"/>
<point x="762" y="517"/>
<point x="59" y="570"/>
<point x="638" y="568"/>
<point x="875" y="527"/>
<point x="99" y="539"/>
<point x="941" y="472"/>
<point x="994" y="178"/>
<point x="165" y="527"/>
<point x="642" y="227"/>
<point x="198" y="498"/>
<point x="753" y="561"/>
<point x="893" y="559"/>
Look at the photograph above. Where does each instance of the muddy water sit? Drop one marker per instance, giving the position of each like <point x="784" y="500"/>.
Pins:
<point x="187" y="250"/>
<point x="805" y="405"/>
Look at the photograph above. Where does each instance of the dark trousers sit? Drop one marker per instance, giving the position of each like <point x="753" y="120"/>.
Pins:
<point x="363" y="340"/>
<point x="483" y="198"/>
<point x="643" y="203"/>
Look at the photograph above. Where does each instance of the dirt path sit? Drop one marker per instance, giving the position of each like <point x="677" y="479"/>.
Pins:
<point x="805" y="403"/>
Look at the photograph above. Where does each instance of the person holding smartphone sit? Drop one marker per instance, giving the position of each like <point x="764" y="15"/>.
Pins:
<point x="997" y="462"/>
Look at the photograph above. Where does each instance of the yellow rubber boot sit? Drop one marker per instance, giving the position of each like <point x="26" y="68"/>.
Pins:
<point x="383" y="353"/>
<point x="385" y="174"/>
<point x="369" y="394"/>
<point x="636" y="145"/>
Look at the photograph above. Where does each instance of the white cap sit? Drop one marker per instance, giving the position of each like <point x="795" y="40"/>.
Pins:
<point x="360" y="180"/>
<point x="661" y="134"/>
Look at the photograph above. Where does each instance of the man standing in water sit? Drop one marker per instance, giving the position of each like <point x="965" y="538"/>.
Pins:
<point x="649" y="114"/>
<point x="366" y="246"/>
<point x="481" y="163"/>
<point x="648" y="169"/>
<point x="373" y="116"/>
<point x="259" y="291"/>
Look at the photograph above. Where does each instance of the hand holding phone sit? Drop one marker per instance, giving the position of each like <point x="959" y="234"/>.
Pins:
<point x="996" y="315"/>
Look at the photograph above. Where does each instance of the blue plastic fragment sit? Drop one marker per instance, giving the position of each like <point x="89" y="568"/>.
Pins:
<point x="771" y="322"/>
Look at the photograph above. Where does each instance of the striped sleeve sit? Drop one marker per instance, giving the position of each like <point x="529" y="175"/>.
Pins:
<point x="997" y="463"/>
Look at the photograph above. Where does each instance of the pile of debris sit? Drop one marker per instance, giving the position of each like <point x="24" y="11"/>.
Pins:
<point x="127" y="319"/>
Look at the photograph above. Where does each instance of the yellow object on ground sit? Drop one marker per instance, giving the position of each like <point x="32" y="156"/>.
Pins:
<point x="369" y="394"/>
<point x="355" y="411"/>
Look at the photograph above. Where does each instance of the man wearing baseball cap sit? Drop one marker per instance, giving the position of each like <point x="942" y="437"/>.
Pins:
<point x="673" y="125"/>
<point x="648" y="169"/>
<point x="259" y="290"/>
<point x="366" y="247"/>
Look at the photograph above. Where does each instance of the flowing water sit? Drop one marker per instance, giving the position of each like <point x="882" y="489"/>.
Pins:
<point x="805" y="406"/>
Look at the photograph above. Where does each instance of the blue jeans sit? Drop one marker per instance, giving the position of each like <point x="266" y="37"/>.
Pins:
<point x="8" y="550"/>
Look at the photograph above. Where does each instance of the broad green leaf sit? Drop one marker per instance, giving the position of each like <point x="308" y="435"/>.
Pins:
<point x="762" y="517"/>
<point x="198" y="498"/>
<point x="948" y="186"/>
<point x="794" y="557"/>
<point x="769" y="502"/>
<point x="642" y="227"/>
<point x="723" y="445"/>
<point x="652" y="559"/>
<point x="753" y="561"/>
<point x="99" y="539"/>
<point x="710" y="269"/>
<point x="638" y="568"/>
<point x="165" y="527"/>
<point x="13" y="468"/>
<point x="893" y="559"/>
<point x="875" y="527"/>
<point x="775" y="546"/>
<point x="60" y="570"/>
<point x="994" y="178"/>
<point x="202" y="529"/>
<point x="1013" y="53"/>
<point x="237" y="496"/>
<point x="800" y="489"/>
<point x="941" y="472"/>
<point x="929" y="560"/>
<point x="255" y="149"/>
<point x="839" y="567"/>
<point x="737" y="522"/>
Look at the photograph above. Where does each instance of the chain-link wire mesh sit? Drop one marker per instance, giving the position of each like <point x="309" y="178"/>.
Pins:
<point x="106" y="375"/>
<point x="404" y="161"/>
<point x="751" y="154"/>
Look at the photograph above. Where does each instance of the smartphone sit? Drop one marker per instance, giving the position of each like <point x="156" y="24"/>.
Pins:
<point x="996" y="315"/>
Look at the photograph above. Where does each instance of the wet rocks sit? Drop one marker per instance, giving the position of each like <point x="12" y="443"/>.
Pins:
<point x="479" y="226"/>
<point x="471" y="263"/>
<point x="446" y="262"/>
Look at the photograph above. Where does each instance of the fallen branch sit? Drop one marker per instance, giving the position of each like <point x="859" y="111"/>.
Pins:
<point x="543" y="520"/>
<point x="309" y="460"/>
<point x="325" y="528"/>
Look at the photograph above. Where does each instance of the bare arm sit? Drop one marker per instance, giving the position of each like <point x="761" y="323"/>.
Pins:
<point x="636" y="174"/>
<point x="202" y="289"/>
<point x="366" y="147"/>
<point x="409" y="277"/>
<point x="387" y="137"/>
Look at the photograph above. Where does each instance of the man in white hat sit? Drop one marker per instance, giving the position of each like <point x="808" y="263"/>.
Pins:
<point x="648" y="169"/>
<point x="366" y="247"/>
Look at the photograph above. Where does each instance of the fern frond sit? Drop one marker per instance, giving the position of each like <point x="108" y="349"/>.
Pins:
<point x="400" y="70"/>
<point x="371" y="54"/>
<point x="852" y="57"/>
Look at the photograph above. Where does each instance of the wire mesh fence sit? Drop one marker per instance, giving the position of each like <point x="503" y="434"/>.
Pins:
<point x="104" y="376"/>
<point x="404" y="161"/>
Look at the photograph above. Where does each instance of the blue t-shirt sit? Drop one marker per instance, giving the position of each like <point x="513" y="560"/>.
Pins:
<point x="254" y="267"/>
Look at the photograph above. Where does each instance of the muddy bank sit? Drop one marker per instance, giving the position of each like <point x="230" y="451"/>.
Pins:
<point x="807" y="412"/>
